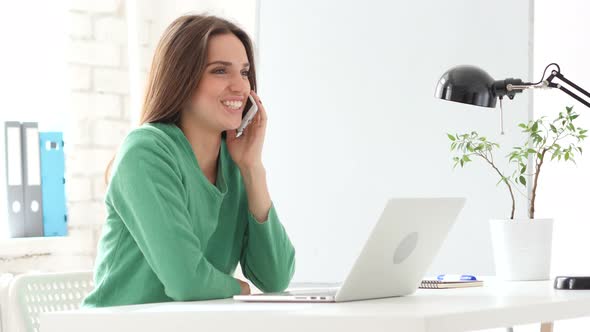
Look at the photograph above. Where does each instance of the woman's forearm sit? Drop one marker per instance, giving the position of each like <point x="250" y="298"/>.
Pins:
<point x="259" y="201"/>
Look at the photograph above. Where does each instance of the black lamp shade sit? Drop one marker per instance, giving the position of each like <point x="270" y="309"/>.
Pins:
<point x="468" y="85"/>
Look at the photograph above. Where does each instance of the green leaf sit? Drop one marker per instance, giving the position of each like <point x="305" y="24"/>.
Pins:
<point x="451" y="137"/>
<point x="522" y="180"/>
<point x="553" y="129"/>
<point x="523" y="169"/>
<point x="535" y="126"/>
<point x="522" y="125"/>
<point x="567" y="156"/>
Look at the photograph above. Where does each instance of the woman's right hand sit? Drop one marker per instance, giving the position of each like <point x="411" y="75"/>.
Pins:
<point x="245" y="287"/>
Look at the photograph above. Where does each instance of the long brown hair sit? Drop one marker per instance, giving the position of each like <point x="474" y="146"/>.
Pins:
<point x="178" y="65"/>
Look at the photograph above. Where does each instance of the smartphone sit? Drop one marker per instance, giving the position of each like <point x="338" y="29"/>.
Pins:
<point x="248" y="115"/>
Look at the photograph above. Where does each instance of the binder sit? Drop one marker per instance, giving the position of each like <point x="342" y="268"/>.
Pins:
<point x="33" y="204"/>
<point x="14" y="179"/>
<point x="53" y="184"/>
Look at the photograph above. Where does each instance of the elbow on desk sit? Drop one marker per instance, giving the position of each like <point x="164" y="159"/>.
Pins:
<point x="281" y="277"/>
<point x="189" y="289"/>
<point x="179" y="292"/>
<point x="192" y="293"/>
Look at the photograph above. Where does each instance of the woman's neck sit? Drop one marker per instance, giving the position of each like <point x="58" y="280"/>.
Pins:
<point x="205" y="144"/>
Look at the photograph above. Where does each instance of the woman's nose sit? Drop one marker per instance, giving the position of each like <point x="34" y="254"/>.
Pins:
<point x="239" y="83"/>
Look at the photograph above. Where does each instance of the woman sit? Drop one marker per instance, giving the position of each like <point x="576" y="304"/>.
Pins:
<point x="187" y="200"/>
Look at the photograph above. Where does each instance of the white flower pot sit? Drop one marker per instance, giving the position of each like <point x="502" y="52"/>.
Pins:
<point x="522" y="248"/>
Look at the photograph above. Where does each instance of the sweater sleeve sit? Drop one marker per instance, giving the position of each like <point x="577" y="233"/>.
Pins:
<point x="268" y="257"/>
<point x="146" y="190"/>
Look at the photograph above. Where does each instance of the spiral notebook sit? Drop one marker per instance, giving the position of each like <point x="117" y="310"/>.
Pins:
<point x="436" y="284"/>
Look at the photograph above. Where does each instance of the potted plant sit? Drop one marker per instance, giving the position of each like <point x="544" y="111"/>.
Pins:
<point x="522" y="247"/>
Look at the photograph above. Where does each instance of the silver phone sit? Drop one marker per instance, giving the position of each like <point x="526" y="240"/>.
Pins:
<point x="247" y="118"/>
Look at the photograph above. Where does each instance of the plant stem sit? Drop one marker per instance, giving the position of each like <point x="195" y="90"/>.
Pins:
<point x="505" y="182"/>
<point x="535" y="184"/>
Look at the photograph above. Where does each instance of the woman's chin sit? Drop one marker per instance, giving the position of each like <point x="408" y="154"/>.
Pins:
<point x="232" y="126"/>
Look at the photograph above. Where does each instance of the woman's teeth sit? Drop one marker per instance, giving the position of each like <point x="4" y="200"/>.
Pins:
<point x="233" y="104"/>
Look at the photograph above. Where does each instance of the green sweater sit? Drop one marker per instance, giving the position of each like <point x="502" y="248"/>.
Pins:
<point x="171" y="235"/>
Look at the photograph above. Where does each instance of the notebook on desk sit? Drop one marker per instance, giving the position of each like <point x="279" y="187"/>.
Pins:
<point x="436" y="284"/>
<point x="395" y="257"/>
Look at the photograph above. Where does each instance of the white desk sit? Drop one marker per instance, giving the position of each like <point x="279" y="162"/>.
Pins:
<point x="498" y="304"/>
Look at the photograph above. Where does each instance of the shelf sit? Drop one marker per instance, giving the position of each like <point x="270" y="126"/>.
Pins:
<point x="34" y="246"/>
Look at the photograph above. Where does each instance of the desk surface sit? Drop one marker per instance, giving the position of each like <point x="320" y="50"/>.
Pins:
<point x="497" y="304"/>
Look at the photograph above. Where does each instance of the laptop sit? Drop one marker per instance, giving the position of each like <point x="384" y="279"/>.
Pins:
<point x="395" y="257"/>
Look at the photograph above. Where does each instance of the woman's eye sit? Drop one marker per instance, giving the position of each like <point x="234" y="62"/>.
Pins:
<point x="246" y="73"/>
<point x="219" y="71"/>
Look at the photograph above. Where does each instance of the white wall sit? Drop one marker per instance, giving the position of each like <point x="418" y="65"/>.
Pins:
<point x="68" y="71"/>
<point x="562" y="193"/>
<point x="561" y="35"/>
<point x="33" y="85"/>
<point x="352" y="119"/>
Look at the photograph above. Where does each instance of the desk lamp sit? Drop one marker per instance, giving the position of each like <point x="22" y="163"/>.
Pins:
<point x="472" y="85"/>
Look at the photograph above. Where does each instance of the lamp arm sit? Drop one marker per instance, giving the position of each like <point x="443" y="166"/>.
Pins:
<point x="557" y="74"/>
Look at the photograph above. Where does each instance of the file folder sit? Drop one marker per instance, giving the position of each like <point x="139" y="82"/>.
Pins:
<point x="53" y="184"/>
<point x="33" y="204"/>
<point x="14" y="179"/>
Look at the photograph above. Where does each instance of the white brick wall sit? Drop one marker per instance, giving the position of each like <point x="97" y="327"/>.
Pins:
<point x="93" y="105"/>
<point x="96" y="7"/>
<point x="99" y="188"/>
<point x="79" y="77"/>
<point x="111" y="80"/>
<point x="109" y="132"/>
<point x="89" y="160"/>
<point x="98" y="120"/>
<point x="86" y="214"/>
<point x="111" y="30"/>
<point x="94" y="53"/>
<point x="80" y="25"/>
<point x="79" y="188"/>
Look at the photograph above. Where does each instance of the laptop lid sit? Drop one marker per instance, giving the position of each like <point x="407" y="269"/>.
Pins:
<point x="400" y="248"/>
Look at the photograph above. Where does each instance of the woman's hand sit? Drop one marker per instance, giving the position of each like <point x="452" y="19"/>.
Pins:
<point x="245" y="287"/>
<point x="246" y="150"/>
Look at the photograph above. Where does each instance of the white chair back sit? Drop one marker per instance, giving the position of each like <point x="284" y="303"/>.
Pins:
<point x="31" y="294"/>
<point x="5" y="279"/>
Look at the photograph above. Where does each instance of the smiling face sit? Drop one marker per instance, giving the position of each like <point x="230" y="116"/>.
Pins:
<point x="222" y="92"/>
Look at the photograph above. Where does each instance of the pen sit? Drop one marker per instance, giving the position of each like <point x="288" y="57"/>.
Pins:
<point x="455" y="277"/>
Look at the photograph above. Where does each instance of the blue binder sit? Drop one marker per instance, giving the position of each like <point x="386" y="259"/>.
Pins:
<point x="55" y="220"/>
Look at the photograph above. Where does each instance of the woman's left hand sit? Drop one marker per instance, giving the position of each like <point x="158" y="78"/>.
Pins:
<point x="246" y="150"/>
